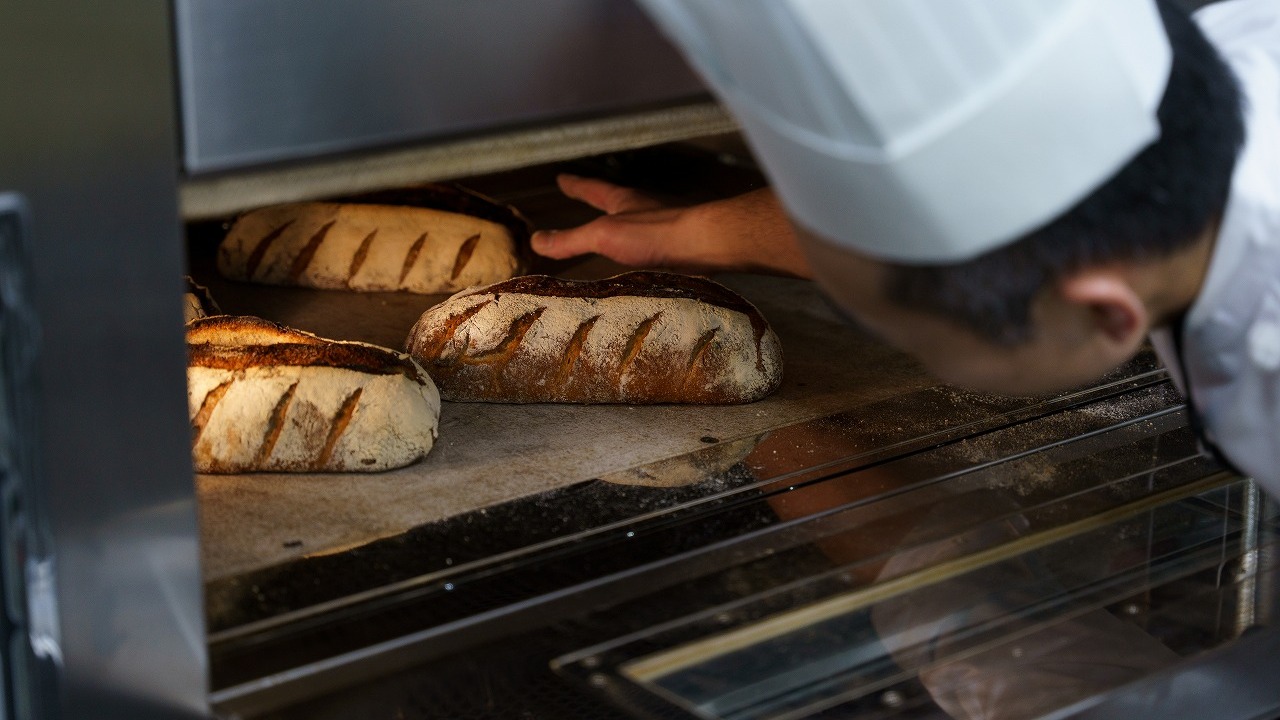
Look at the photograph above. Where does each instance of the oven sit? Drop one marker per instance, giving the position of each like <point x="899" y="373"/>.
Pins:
<point x="866" y="542"/>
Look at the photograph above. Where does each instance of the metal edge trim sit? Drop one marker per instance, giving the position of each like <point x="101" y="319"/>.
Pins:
<point x="220" y="196"/>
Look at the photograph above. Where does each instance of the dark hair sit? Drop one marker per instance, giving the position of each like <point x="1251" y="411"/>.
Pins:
<point x="1159" y="203"/>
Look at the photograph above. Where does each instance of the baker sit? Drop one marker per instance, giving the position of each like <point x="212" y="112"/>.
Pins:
<point x="1017" y="199"/>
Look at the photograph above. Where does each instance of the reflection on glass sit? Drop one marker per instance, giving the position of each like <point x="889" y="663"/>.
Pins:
<point x="998" y="621"/>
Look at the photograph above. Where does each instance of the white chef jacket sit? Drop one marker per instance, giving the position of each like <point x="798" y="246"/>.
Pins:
<point x="1229" y="367"/>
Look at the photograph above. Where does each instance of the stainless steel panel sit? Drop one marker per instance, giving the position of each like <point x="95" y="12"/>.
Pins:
<point x="264" y="82"/>
<point x="218" y="196"/>
<point x="87" y="136"/>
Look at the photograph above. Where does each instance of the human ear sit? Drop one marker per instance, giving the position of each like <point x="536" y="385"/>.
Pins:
<point x="1111" y="306"/>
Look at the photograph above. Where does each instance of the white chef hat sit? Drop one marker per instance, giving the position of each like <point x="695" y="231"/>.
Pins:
<point x="931" y="131"/>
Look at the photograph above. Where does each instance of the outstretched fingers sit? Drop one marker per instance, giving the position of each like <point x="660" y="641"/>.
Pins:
<point x="632" y="231"/>
<point x="561" y="244"/>
<point x="626" y="242"/>
<point x="606" y="196"/>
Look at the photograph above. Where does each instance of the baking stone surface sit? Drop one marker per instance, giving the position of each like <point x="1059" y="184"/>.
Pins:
<point x="491" y="453"/>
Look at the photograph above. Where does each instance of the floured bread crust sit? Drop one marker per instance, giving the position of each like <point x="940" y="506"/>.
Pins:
<point x="637" y="338"/>
<point x="263" y="397"/>
<point x="367" y="247"/>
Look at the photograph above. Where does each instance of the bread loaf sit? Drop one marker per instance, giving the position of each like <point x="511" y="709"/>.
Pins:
<point x="263" y="397"/>
<point x="640" y="337"/>
<point x="423" y="241"/>
<point x="197" y="302"/>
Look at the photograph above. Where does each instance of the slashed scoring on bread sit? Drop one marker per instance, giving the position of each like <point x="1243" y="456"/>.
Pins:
<point x="264" y="397"/>
<point x="639" y="337"/>
<point x="447" y="241"/>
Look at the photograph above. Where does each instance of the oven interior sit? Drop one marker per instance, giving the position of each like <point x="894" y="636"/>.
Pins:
<point x="844" y="548"/>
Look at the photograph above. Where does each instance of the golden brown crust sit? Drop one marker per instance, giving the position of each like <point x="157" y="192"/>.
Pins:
<point x="428" y="239"/>
<point x="450" y="198"/>
<point x="640" y="284"/>
<point x="242" y="329"/>
<point x="641" y="337"/>
<point x="237" y="342"/>
<point x="262" y="397"/>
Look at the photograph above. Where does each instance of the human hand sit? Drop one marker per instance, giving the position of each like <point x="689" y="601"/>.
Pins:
<point x="747" y="233"/>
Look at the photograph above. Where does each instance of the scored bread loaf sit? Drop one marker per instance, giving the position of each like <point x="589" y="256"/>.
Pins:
<point x="429" y="240"/>
<point x="264" y="397"/>
<point x="638" y="338"/>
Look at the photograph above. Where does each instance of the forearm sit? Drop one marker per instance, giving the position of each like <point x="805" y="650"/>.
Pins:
<point x="746" y="233"/>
